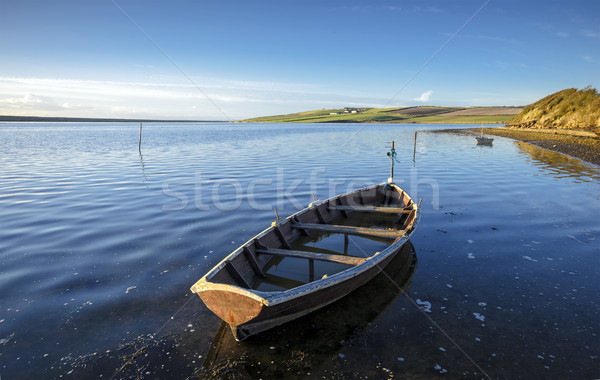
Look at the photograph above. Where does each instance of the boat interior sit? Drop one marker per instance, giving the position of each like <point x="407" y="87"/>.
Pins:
<point x="321" y="240"/>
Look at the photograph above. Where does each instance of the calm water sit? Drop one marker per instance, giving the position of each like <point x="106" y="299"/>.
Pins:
<point x="99" y="245"/>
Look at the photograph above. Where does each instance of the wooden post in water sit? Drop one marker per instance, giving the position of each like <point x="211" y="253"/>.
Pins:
<point x="392" y="166"/>
<point x="415" y="147"/>
<point x="140" y="142"/>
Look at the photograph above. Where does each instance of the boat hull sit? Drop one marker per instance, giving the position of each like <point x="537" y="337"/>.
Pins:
<point x="293" y="308"/>
<point x="484" y="140"/>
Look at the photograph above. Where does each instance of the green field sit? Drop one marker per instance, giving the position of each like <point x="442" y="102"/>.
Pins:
<point x="426" y="114"/>
<point x="473" y="119"/>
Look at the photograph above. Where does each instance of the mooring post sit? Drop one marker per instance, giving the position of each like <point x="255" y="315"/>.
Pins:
<point x="140" y="143"/>
<point x="415" y="147"/>
<point x="391" y="154"/>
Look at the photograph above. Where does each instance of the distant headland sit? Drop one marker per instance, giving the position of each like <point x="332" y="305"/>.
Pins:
<point x="419" y="114"/>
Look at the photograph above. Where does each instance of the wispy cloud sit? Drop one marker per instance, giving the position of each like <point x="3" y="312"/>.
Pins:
<point x="390" y="8"/>
<point x="508" y="65"/>
<point x="424" y="97"/>
<point x="590" y="33"/>
<point x="587" y="58"/>
<point x="562" y="34"/>
<point x="88" y="98"/>
<point x="29" y="101"/>
<point x="427" y="9"/>
<point x="140" y="66"/>
<point x="492" y="38"/>
<point x="353" y="8"/>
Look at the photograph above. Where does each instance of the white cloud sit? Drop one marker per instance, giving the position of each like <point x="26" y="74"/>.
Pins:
<point x="233" y="99"/>
<point x="29" y="101"/>
<point x="424" y="97"/>
<point x="587" y="58"/>
<point x="562" y="34"/>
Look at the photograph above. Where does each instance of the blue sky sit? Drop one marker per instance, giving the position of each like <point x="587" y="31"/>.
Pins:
<point x="236" y="59"/>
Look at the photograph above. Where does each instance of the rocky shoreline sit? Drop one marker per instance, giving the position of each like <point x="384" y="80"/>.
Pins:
<point x="580" y="144"/>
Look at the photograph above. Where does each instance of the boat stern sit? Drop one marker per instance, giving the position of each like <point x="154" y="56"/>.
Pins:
<point x="234" y="305"/>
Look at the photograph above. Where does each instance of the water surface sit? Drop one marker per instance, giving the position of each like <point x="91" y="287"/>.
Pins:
<point x="100" y="243"/>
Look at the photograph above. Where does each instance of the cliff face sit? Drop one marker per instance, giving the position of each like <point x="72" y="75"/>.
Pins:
<point x="566" y="109"/>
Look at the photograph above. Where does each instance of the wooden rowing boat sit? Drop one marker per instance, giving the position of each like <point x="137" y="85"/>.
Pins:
<point x="482" y="140"/>
<point x="232" y="289"/>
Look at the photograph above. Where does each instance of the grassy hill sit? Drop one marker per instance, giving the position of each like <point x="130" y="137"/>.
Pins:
<point x="424" y="114"/>
<point x="566" y="109"/>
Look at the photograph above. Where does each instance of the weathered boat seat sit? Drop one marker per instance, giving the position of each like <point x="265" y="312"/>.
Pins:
<point x="343" y="259"/>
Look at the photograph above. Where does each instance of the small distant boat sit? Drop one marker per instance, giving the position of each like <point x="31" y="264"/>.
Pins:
<point x="229" y="289"/>
<point x="482" y="140"/>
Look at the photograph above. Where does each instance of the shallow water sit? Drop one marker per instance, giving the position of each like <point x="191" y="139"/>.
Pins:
<point x="100" y="243"/>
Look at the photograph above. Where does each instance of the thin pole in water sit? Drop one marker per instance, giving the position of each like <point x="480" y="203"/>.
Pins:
<point x="415" y="147"/>
<point x="392" y="169"/>
<point x="392" y="155"/>
<point x="140" y="143"/>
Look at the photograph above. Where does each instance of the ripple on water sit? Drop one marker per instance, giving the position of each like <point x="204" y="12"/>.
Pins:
<point x="100" y="243"/>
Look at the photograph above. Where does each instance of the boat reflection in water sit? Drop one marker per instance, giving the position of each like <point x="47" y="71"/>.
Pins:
<point x="303" y="345"/>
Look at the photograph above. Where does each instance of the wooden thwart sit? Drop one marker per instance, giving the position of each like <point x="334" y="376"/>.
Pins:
<point x="391" y="210"/>
<point x="322" y="250"/>
<point x="349" y="229"/>
<point x="282" y="282"/>
<point x="349" y="260"/>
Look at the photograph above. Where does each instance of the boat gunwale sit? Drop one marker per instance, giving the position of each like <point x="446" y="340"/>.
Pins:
<point x="278" y="296"/>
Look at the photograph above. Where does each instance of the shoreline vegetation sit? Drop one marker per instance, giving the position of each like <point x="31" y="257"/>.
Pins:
<point x="569" y="109"/>
<point x="411" y="115"/>
<point x="567" y="121"/>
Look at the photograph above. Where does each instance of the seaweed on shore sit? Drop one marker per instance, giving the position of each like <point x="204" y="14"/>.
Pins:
<point x="582" y="147"/>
